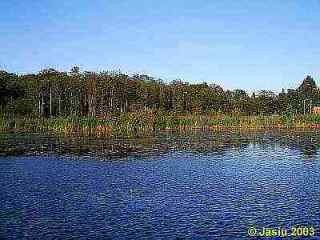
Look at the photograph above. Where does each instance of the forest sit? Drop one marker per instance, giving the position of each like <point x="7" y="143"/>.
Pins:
<point x="114" y="103"/>
<point x="51" y="93"/>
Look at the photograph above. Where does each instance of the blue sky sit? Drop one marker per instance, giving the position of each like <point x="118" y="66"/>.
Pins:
<point x="250" y="45"/>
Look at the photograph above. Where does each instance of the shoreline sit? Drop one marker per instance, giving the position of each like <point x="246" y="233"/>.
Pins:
<point x="141" y="124"/>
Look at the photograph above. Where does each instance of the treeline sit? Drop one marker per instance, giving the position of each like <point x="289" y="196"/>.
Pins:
<point x="51" y="93"/>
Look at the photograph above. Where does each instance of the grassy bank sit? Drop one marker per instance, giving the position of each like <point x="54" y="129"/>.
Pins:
<point x="147" y="123"/>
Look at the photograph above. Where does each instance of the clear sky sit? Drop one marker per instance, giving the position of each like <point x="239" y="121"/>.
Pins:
<point x="250" y="45"/>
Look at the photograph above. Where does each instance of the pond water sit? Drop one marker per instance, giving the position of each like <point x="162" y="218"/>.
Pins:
<point x="189" y="192"/>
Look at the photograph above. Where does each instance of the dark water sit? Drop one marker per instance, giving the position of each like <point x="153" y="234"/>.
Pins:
<point x="179" y="194"/>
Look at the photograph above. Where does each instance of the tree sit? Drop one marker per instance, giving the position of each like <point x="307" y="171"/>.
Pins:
<point x="53" y="93"/>
<point x="308" y="85"/>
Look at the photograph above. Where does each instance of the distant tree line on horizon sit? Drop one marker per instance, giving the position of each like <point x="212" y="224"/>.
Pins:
<point x="52" y="93"/>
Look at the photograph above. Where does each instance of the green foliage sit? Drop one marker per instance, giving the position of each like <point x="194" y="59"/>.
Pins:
<point x="111" y="102"/>
<point x="287" y="118"/>
<point x="310" y="119"/>
<point x="51" y="93"/>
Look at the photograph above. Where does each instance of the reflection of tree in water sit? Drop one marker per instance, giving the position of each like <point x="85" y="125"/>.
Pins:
<point x="196" y="143"/>
<point x="309" y="150"/>
<point x="306" y="144"/>
<point x="207" y="142"/>
<point x="217" y="147"/>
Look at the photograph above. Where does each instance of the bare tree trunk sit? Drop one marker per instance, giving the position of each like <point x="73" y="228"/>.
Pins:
<point x="121" y="107"/>
<point x="50" y="102"/>
<point x="39" y="105"/>
<point x="94" y="105"/>
<point x="42" y="105"/>
<point x="126" y="105"/>
<point x="174" y="100"/>
<point x="80" y="105"/>
<point x="91" y="106"/>
<point x="111" y="100"/>
<point x="71" y="103"/>
<point x="59" y="107"/>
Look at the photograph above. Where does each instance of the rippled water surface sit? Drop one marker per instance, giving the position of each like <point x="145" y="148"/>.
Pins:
<point x="176" y="194"/>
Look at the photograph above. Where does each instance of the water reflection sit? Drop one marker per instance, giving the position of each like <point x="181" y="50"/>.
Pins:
<point x="205" y="143"/>
<point x="307" y="145"/>
<point x="309" y="150"/>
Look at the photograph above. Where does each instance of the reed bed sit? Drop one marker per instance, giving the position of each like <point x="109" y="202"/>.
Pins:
<point x="137" y="124"/>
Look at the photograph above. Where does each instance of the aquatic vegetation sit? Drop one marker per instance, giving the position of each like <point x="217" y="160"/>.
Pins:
<point x="135" y="124"/>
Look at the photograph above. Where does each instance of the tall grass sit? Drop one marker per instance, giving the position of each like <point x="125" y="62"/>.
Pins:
<point x="137" y="124"/>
